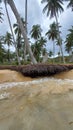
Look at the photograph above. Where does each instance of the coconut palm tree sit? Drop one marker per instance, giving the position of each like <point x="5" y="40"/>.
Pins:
<point x="15" y="11"/>
<point x="42" y="44"/>
<point x="52" y="34"/>
<point x="18" y="36"/>
<point x="70" y="4"/>
<point x="18" y="33"/>
<point x="50" y="53"/>
<point x="68" y="47"/>
<point x="2" y="49"/>
<point x="5" y="2"/>
<point x="9" y="42"/>
<point x="36" y="32"/>
<point x="37" y="48"/>
<point x="53" y="8"/>
<point x="69" y="42"/>
<point x="23" y="31"/>
<point x="59" y="43"/>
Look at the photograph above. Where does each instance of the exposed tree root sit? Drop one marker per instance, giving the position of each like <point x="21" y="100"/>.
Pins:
<point x="39" y="69"/>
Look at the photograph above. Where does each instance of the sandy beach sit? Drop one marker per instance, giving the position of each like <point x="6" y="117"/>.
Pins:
<point x="44" y="103"/>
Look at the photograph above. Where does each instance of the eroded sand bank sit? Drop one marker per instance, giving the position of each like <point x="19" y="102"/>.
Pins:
<point x="13" y="76"/>
<point x="58" y="83"/>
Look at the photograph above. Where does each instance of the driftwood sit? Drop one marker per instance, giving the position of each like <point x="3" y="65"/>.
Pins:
<point x="39" y="69"/>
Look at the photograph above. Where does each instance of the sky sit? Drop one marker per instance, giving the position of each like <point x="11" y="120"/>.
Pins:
<point x="35" y="16"/>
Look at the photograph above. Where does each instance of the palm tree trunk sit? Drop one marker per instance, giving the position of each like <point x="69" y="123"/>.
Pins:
<point x="59" y="38"/>
<point x="12" y="5"/>
<point x="53" y="51"/>
<point x="12" y="32"/>
<point x="8" y="54"/>
<point x="25" y="28"/>
<point x="71" y="56"/>
<point x="26" y="15"/>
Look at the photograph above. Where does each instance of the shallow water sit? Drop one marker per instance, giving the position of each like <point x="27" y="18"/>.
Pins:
<point x="39" y="104"/>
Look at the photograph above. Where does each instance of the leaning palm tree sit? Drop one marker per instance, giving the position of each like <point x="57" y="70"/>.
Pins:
<point x="14" y="9"/>
<point x="18" y="33"/>
<point x="52" y="34"/>
<point x="12" y="32"/>
<point x="53" y="8"/>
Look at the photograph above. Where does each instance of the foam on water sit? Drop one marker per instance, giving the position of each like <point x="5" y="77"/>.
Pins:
<point x="34" y="82"/>
<point x="4" y="95"/>
<point x="37" y="104"/>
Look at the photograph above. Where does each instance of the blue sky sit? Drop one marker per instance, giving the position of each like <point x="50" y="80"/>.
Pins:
<point x="35" y="16"/>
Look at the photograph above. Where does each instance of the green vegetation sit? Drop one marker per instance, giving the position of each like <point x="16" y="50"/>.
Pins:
<point x="26" y="51"/>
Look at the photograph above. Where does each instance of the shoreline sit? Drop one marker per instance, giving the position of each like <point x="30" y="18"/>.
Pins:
<point x="38" y="70"/>
<point x="7" y="75"/>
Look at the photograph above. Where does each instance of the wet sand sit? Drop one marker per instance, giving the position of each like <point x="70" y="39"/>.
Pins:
<point x="36" y="104"/>
<point x="65" y="75"/>
<point x="12" y="76"/>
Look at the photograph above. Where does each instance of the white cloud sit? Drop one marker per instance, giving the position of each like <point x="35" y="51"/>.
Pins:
<point x="35" y="16"/>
